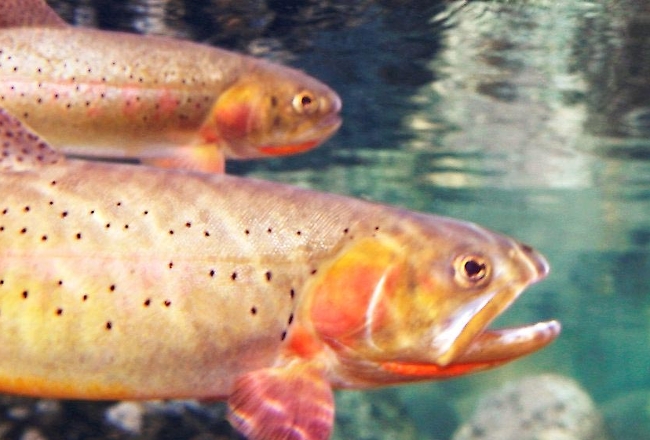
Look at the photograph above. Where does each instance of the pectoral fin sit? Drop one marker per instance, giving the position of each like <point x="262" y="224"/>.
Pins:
<point x="294" y="402"/>
<point x="203" y="158"/>
<point x="20" y="148"/>
<point x="15" y="13"/>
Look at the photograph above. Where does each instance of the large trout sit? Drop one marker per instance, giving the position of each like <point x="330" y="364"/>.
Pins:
<point x="167" y="102"/>
<point x="130" y="282"/>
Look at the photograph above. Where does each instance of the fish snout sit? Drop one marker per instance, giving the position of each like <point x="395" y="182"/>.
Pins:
<point x="331" y="103"/>
<point x="535" y="260"/>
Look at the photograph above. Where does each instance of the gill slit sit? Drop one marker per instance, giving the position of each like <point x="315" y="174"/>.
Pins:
<point x="372" y="305"/>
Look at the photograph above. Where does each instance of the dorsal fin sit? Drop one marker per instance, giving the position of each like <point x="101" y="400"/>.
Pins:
<point x="20" y="148"/>
<point x="15" y="13"/>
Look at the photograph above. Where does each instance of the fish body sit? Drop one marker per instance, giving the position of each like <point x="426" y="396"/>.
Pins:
<point x="133" y="282"/>
<point x="169" y="102"/>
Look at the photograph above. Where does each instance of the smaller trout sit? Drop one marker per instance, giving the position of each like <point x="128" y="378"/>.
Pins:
<point x="167" y="102"/>
<point x="132" y="282"/>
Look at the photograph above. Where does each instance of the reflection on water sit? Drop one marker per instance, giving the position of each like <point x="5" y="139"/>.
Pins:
<point x="531" y="117"/>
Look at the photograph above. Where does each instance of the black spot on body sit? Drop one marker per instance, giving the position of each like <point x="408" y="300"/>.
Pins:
<point x="112" y="288"/>
<point x="25" y="294"/>
<point x="212" y="272"/>
<point x="59" y="312"/>
<point x="233" y="276"/>
<point x="284" y="335"/>
<point x="268" y="275"/>
<point x="253" y="310"/>
<point x="109" y="325"/>
<point x="167" y="303"/>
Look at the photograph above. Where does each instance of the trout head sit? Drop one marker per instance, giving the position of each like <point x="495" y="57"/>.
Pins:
<point x="416" y="305"/>
<point x="273" y="111"/>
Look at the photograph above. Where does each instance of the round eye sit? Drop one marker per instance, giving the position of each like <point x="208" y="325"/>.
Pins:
<point x="305" y="103"/>
<point x="472" y="269"/>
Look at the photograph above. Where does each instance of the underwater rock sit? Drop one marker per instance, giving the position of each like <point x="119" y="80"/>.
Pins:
<point x="40" y="419"/>
<point x="543" y="407"/>
<point x="373" y="415"/>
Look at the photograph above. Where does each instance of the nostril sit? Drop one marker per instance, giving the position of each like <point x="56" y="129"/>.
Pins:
<point x="538" y="261"/>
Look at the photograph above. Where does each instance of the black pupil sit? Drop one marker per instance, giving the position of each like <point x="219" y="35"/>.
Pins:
<point x="472" y="268"/>
<point x="306" y="100"/>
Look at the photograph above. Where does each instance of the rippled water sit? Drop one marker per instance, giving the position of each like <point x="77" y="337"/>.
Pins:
<point x="530" y="117"/>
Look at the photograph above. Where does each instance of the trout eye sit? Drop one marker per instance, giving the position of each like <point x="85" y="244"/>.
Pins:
<point x="471" y="270"/>
<point x="305" y="103"/>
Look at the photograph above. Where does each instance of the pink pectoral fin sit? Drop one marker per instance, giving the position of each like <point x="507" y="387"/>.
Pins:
<point x="289" y="403"/>
<point x="203" y="158"/>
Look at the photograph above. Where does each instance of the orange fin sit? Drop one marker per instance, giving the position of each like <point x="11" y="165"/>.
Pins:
<point x="289" y="403"/>
<point x="203" y="158"/>
<point x="21" y="149"/>
<point x="28" y="13"/>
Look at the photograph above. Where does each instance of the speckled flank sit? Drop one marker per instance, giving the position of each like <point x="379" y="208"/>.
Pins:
<point x="124" y="268"/>
<point x="127" y="88"/>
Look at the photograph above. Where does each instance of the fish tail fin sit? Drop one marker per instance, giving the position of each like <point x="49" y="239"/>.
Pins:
<point x="20" y="148"/>
<point x="15" y="13"/>
<point x="294" y="402"/>
<point x="204" y="158"/>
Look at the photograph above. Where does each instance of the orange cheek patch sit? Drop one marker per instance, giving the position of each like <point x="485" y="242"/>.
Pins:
<point x="342" y="299"/>
<point x="359" y="284"/>
<point x="233" y="120"/>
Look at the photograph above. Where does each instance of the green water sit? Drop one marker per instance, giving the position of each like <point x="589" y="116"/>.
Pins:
<point x="529" y="117"/>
